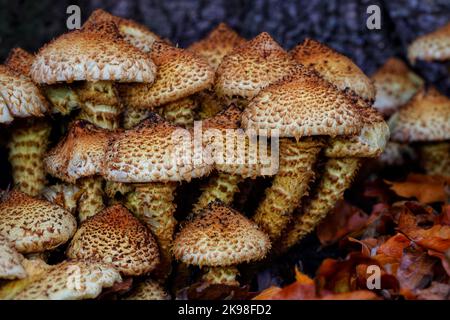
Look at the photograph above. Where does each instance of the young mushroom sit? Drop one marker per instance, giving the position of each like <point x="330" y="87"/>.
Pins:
<point x="148" y="290"/>
<point x="220" y="238"/>
<point x="434" y="46"/>
<point x="10" y="261"/>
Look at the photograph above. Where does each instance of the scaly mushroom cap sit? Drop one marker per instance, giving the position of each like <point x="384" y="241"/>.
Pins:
<point x="426" y="117"/>
<point x="370" y="142"/>
<point x="96" y="52"/>
<point x="217" y="44"/>
<point x="148" y="290"/>
<point x="80" y="153"/>
<point x="70" y="280"/>
<point x="115" y="236"/>
<point x="153" y="151"/>
<point x="180" y="74"/>
<point x="10" y="261"/>
<point x="303" y="104"/>
<point x="19" y="96"/>
<point x="334" y="67"/>
<point x="395" y="84"/>
<point x="252" y="67"/>
<point x="229" y="118"/>
<point x="34" y="225"/>
<point x="135" y="33"/>
<point x="220" y="236"/>
<point x="20" y="61"/>
<point x="64" y="195"/>
<point x="432" y="46"/>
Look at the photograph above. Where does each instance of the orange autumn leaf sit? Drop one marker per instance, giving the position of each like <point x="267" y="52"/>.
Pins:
<point x="302" y="278"/>
<point x="354" y="295"/>
<point x="426" y="189"/>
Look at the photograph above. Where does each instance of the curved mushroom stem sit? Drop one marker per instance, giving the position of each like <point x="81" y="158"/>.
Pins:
<point x="153" y="204"/>
<point x="26" y="151"/>
<point x="112" y="189"/>
<point x="337" y="177"/>
<point x="435" y="158"/>
<point x="289" y="185"/>
<point x="222" y="275"/>
<point x="180" y="112"/>
<point x="62" y="98"/>
<point x="91" y="199"/>
<point x="221" y="187"/>
<point x="133" y="117"/>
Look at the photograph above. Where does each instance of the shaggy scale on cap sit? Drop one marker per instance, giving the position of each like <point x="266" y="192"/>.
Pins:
<point x="180" y="74"/>
<point x="10" y="261"/>
<point x="334" y="67"/>
<point x="20" y="61"/>
<point x="115" y="236"/>
<point x="220" y="236"/>
<point x="431" y="46"/>
<point x="148" y="290"/>
<point x="252" y="67"/>
<point x="395" y="84"/>
<point x="217" y="44"/>
<point x="80" y="153"/>
<point x="426" y="117"/>
<point x="34" y="225"/>
<point x="96" y="52"/>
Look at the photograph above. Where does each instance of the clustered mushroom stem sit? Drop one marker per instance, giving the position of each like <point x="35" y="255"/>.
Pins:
<point x="91" y="199"/>
<point x="289" y="185"/>
<point x="153" y="204"/>
<point x="222" y="275"/>
<point x="221" y="187"/>
<point x="337" y="177"/>
<point x="180" y="112"/>
<point x="133" y="117"/>
<point x="26" y="152"/>
<point x="435" y="158"/>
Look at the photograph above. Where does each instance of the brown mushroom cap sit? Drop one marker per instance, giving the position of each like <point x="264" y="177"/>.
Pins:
<point x="303" y="104"/>
<point x="252" y="67"/>
<point x="115" y="236"/>
<point x="96" y="52"/>
<point x="426" y="117"/>
<point x="19" y="96"/>
<point x="148" y="290"/>
<point x="180" y="74"/>
<point x="217" y="44"/>
<point x="70" y="280"/>
<point x="432" y="46"/>
<point x="220" y="236"/>
<point x="20" y="61"/>
<point x="153" y="152"/>
<point x="334" y="67"/>
<point x="395" y="84"/>
<point x="80" y="153"/>
<point x="10" y="261"/>
<point x="34" y="225"/>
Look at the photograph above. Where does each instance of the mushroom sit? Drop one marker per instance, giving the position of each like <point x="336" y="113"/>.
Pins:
<point x="209" y="104"/>
<point x="10" y="261"/>
<point x="251" y="67"/>
<point x="220" y="238"/>
<point x="116" y="237"/>
<point x="432" y="46"/>
<point x="34" y="225"/>
<point x="180" y="112"/>
<point x="425" y="119"/>
<point x="303" y="106"/>
<point x="64" y="195"/>
<point x="148" y="290"/>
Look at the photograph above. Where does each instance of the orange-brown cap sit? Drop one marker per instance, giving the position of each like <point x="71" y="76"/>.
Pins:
<point x="10" y="261"/>
<point x="20" y="61"/>
<point x="432" y="46"/>
<point x="148" y="290"/>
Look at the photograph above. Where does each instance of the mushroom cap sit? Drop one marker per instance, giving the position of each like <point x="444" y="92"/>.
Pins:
<point x="96" y="52"/>
<point x="217" y="44"/>
<point x="34" y="225"/>
<point x="20" y="61"/>
<point x="220" y="236"/>
<point x="370" y="142"/>
<point x="148" y="290"/>
<point x="395" y="84"/>
<point x="426" y="117"/>
<point x="133" y="32"/>
<point x="152" y="152"/>
<point x="431" y="46"/>
<point x="10" y="261"/>
<point x="80" y="153"/>
<point x="115" y="236"/>
<point x="229" y="118"/>
<point x="180" y="74"/>
<point x="301" y="105"/>
<point x="71" y="280"/>
<point x="334" y="67"/>
<point x="251" y="67"/>
<point x="19" y="96"/>
<point x="64" y="195"/>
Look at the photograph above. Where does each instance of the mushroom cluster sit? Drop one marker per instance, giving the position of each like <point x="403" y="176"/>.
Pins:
<point x="101" y="199"/>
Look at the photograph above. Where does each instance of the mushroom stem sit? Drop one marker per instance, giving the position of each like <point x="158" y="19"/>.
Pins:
<point x="337" y="177"/>
<point x="62" y="98"/>
<point x="435" y="158"/>
<point x="209" y="105"/>
<point x="91" y="199"/>
<point x="112" y="189"/>
<point x="132" y="117"/>
<point x="180" y="112"/>
<point x="222" y="275"/>
<point x="153" y="204"/>
<point x="26" y="151"/>
<point x="221" y="187"/>
<point x="289" y="185"/>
